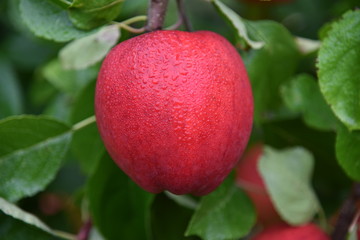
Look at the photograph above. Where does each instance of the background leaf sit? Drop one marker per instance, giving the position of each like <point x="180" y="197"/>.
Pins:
<point x="88" y="14"/>
<point x="237" y="23"/>
<point x="48" y="20"/>
<point x="70" y="81"/>
<point x="10" y="93"/>
<point x="287" y="176"/>
<point x="59" y="107"/>
<point x="328" y="181"/>
<point x="17" y="213"/>
<point x="339" y="68"/>
<point x="118" y="206"/>
<point x="302" y="94"/>
<point x="12" y="229"/>
<point x="168" y="219"/>
<point x="226" y="213"/>
<point x="89" y="50"/>
<point x="88" y="136"/>
<point x="348" y="152"/>
<point x="31" y="151"/>
<point x="270" y="67"/>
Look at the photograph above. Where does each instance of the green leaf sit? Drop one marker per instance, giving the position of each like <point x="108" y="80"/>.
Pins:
<point x="19" y="214"/>
<point x="237" y="23"/>
<point x="88" y="14"/>
<point x="88" y="136"/>
<point x="339" y="68"/>
<point x="348" y="151"/>
<point x="12" y="229"/>
<point x="270" y="67"/>
<point x="10" y="95"/>
<point x="302" y="94"/>
<point x="287" y="176"/>
<point x="89" y="50"/>
<point x="226" y="213"/>
<point x="70" y="81"/>
<point x="47" y="20"/>
<point x="31" y="152"/>
<point x="118" y="206"/>
<point x="164" y="226"/>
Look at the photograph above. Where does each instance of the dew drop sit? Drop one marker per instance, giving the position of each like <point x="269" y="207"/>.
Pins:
<point x="175" y="77"/>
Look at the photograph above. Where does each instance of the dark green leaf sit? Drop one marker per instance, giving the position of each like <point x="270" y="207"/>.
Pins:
<point x="339" y="68"/>
<point x="88" y="14"/>
<point x="348" y="151"/>
<point x="287" y="176"/>
<point x="87" y="145"/>
<point x="10" y="95"/>
<point x="89" y="50"/>
<point x="118" y="206"/>
<point x="226" y="213"/>
<point x="70" y="81"/>
<point x="47" y="20"/>
<point x="168" y="219"/>
<point x="270" y="67"/>
<point x="302" y="94"/>
<point x="12" y="229"/>
<point x="31" y="151"/>
<point x="30" y="219"/>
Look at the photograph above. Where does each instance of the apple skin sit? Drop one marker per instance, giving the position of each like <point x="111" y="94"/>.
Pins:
<point x="249" y="179"/>
<point x="283" y="232"/>
<point x="174" y="109"/>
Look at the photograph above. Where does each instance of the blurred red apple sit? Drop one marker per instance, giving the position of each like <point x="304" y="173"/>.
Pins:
<point x="283" y="232"/>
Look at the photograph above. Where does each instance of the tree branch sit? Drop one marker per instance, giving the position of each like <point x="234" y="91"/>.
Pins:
<point x="347" y="214"/>
<point x="156" y="15"/>
<point x="183" y="17"/>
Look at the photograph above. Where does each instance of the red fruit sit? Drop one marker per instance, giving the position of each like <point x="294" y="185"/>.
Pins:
<point x="248" y="177"/>
<point x="284" y="232"/>
<point x="174" y="109"/>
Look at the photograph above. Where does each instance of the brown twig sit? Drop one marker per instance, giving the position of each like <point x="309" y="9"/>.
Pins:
<point x="347" y="214"/>
<point x="156" y="15"/>
<point x="183" y="17"/>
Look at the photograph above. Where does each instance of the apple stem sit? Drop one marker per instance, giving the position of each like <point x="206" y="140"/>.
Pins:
<point x="156" y="15"/>
<point x="347" y="214"/>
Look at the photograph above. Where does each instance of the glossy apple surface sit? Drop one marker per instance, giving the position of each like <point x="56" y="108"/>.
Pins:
<point x="174" y="109"/>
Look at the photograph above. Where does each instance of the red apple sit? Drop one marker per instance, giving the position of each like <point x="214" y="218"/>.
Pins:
<point x="249" y="178"/>
<point x="174" y="109"/>
<point x="283" y="232"/>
